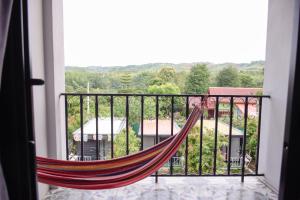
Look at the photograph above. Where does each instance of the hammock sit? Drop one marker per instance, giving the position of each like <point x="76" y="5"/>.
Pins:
<point x="108" y="174"/>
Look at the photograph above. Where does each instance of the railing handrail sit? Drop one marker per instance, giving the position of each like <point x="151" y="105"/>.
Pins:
<point x="163" y="95"/>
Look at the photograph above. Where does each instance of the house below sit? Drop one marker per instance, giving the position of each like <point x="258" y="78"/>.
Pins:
<point x="89" y="138"/>
<point x="224" y="102"/>
<point x="223" y="129"/>
<point x="164" y="131"/>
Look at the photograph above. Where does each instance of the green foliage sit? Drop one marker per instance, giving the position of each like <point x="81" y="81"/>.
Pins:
<point x="252" y="124"/>
<point x="137" y="79"/>
<point x="207" y="151"/>
<point x="197" y="82"/>
<point x="125" y="80"/>
<point x="141" y="81"/>
<point x="157" y="79"/>
<point x="228" y="77"/>
<point x="164" y="102"/>
<point x="246" y="80"/>
<point x="120" y="143"/>
<point x="166" y="74"/>
<point x="252" y="137"/>
<point x="180" y="78"/>
<point x="168" y="88"/>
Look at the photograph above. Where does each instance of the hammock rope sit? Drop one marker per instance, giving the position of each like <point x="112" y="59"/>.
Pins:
<point x="118" y="172"/>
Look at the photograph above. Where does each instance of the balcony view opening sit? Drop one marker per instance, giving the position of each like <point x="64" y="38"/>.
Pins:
<point x="149" y="99"/>
<point x="135" y="71"/>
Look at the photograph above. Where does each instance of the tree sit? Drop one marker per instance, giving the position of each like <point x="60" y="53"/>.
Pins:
<point x="126" y="80"/>
<point x="207" y="151"/>
<point x="120" y="143"/>
<point x="167" y="74"/>
<point x="142" y="81"/>
<point x="198" y="80"/>
<point x="228" y="77"/>
<point x="168" y="88"/>
<point x="164" y="102"/>
<point x="246" y="80"/>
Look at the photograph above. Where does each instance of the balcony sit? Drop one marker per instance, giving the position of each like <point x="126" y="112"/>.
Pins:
<point x="212" y="163"/>
<point x="278" y="120"/>
<point x="217" y="188"/>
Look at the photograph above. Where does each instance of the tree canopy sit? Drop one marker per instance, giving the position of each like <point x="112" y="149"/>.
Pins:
<point x="198" y="80"/>
<point x="168" y="88"/>
<point x="167" y="74"/>
<point x="228" y="77"/>
<point x="120" y="143"/>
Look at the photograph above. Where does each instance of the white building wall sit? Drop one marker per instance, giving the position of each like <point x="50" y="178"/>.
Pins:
<point x="47" y="62"/>
<point x="278" y="59"/>
<point x="55" y="78"/>
<point x="148" y="141"/>
<point x="235" y="147"/>
<point x="37" y="68"/>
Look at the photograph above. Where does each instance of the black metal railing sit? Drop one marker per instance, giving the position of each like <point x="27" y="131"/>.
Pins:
<point x="232" y="116"/>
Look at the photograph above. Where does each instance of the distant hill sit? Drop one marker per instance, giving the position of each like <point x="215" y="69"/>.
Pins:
<point x="252" y="66"/>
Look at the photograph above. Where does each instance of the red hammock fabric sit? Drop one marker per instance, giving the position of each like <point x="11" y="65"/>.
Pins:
<point x="113" y="173"/>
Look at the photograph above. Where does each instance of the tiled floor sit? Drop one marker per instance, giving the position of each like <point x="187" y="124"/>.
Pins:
<point x="173" y="188"/>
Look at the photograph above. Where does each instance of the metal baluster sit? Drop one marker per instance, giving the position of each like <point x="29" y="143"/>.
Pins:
<point x="97" y="131"/>
<point x="81" y="127"/>
<point x="244" y="139"/>
<point x="127" y="127"/>
<point x="156" y="132"/>
<point x="216" y="136"/>
<point x="258" y="135"/>
<point x="142" y="123"/>
<point x="201" y="141"/>
<point x="230" y="137"/>
<point x="67" y="126"/>
<point x="187" y="139"/>
<point x="172" y="130"/>
<point x="112" y="126"/>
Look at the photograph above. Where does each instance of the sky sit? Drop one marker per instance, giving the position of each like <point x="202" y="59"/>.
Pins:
<point x="127" y="32"/>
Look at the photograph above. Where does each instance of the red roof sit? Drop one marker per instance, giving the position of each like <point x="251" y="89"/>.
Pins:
<point x="227" y="91"/>
<point x="233" y="91"/>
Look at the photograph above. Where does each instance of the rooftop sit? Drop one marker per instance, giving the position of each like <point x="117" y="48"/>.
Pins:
<point x="164" y="127"/>
<point x="223" y="128"/>
<point x="211" y="103"/>
<point x="233" y="91"/>
<point x="104" y="127"/>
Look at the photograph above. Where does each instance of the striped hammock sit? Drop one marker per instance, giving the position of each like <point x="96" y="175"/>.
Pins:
<point x="107" y="174"/>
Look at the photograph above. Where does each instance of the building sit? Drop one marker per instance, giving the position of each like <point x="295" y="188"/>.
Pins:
<point x="223" y="129"/>
<point x="224" y="102"/>
<point x="164" y="131"/>
<point x="149" y="131"/>
<point x="89" y="138"/>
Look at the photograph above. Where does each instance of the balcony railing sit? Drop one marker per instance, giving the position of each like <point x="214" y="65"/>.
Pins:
<point x="236" y="125"/>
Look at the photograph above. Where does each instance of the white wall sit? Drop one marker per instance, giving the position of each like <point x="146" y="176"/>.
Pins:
<point x="37" y="67"/>
<point x="278" y="58"/>
<point x="55" y="79"/>
<point x="47" y="62"/>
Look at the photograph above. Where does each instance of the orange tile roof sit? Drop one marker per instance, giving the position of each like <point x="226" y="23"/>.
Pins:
<point x="164" y="127"/>
<point x="227" y="91"/>
<point x="233" y="91"/>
